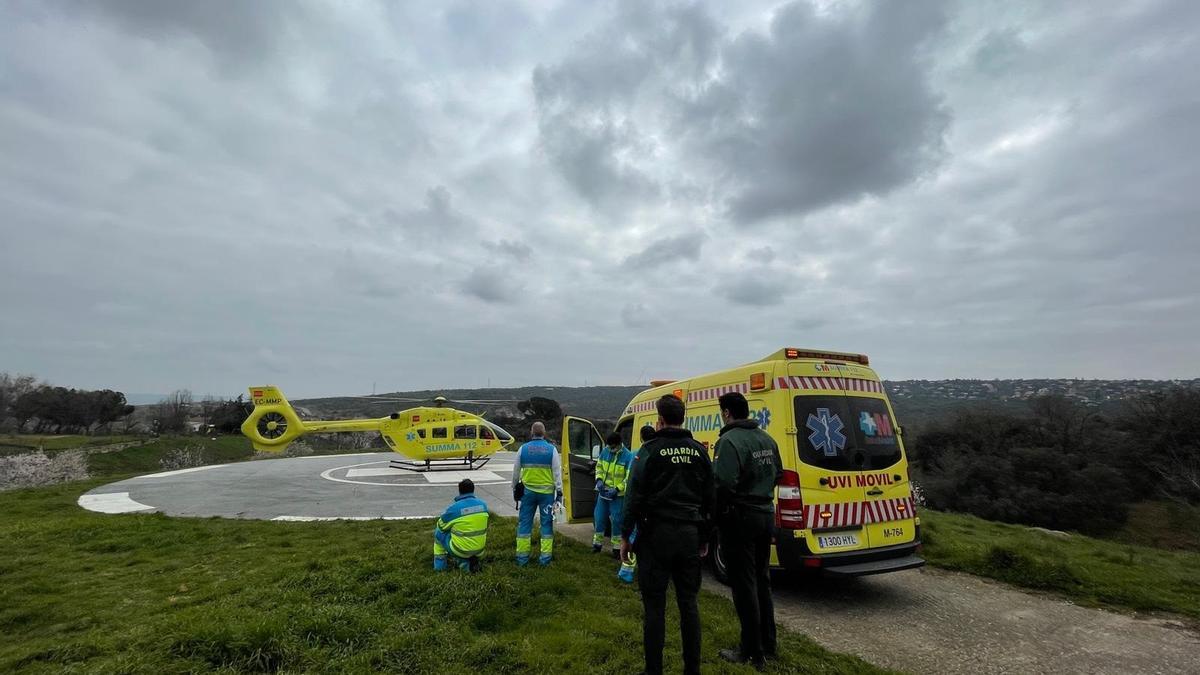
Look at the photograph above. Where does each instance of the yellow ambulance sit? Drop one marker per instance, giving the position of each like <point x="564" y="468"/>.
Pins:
<point x="845" y="504"/>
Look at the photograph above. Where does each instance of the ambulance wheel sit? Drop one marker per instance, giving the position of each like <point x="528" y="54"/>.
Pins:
<point x="716" y="559"/>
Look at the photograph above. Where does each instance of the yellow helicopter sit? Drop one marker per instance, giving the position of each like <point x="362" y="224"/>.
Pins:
<point x="431" y="437"/>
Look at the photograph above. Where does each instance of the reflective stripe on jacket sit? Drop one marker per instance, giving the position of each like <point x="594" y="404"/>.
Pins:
<point x="467" y="521"/>
<point x="612" y="468"/>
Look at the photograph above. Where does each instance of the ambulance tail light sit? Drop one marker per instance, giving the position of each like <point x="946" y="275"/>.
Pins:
<point x="789" y="507"/>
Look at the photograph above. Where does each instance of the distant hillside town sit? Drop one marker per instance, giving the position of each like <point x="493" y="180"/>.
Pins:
<point x="1088" y="392"/>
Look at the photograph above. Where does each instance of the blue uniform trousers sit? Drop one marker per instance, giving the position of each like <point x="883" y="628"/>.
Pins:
<point x="607" y="512"/>
<point x="542" y="504"/>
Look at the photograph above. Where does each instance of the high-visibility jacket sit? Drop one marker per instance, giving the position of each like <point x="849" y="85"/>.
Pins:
<point x="538" y="467"/>
<point x="467" y="521"/>
<point x="612" y="468"/>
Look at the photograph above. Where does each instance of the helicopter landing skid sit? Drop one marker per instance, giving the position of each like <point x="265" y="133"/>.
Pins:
<point x="460" y="464"/>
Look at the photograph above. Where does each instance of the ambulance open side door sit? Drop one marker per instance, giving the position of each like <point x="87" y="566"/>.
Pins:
<point x="581" y="444"/>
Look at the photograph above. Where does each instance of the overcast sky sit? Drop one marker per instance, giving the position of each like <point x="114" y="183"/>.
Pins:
<point x="423" y="195"/>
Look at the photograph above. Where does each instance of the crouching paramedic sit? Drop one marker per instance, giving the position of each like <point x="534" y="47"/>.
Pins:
<point x="461" y="532"/>
<point x="612" y="477"/>
<point x="537" y="487"/>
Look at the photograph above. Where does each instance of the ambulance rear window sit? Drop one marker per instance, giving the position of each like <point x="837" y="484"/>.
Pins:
<point x="874" y="431"/>
<point x="845" y="433"/>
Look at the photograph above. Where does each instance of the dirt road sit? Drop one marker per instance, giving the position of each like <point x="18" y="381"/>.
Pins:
<point x="932" y="621"/>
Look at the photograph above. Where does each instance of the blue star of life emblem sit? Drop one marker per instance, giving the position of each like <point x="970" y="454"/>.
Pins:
<point x="826" y="433"/>
<point x="763" y="415"/>
<point x="410" y="436"/>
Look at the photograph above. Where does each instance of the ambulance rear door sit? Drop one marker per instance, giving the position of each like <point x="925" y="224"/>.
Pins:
<point x="581" y="444"/>
<point x="829" y="464"/>
<point x="888" y="516"/>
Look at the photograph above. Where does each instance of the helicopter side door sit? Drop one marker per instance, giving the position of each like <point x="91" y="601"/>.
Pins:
<point x="581" y="444"/>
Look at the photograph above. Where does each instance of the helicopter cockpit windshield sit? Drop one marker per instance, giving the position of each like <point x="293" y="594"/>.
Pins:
<point x="486" y="428"/>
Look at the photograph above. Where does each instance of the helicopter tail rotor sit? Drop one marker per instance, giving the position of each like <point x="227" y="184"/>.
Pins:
<point x="273" y="424"/>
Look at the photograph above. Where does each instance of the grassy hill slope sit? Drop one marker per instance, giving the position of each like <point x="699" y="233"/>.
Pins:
<point x="85" y="592"/>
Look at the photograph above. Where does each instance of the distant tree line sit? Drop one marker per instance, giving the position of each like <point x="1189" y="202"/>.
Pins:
<point x="42" y="408"/>
<point x="179" y="410"/>
<point x="1065" y="466"/>
<point x="30" y="406"/>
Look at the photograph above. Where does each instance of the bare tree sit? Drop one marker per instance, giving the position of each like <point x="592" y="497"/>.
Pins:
<point x="1160" y="429"/>
<point x="171" y="413"/>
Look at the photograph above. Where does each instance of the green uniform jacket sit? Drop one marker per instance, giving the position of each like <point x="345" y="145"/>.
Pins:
<point x="746" y="467"/>
<point x="671" y="481"/>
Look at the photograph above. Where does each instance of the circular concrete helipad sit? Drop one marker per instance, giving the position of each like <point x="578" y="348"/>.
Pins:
<point x="359" y="486"/>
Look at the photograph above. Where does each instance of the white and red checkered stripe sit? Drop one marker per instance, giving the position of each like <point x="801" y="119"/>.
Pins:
<point x="849" y="514"/>
<point x="717" y="392"/>
<point x="828" y="383"/>
<point x="644" y="406"/>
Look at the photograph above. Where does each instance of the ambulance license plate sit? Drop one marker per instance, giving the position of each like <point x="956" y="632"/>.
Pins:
<point x="838" y="540"/>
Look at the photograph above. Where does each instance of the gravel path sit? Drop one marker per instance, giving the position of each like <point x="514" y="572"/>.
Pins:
<point x="933" y="621"/>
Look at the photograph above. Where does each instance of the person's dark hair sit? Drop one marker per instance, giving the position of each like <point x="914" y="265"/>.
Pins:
<point x="614" y="439"/>
<point x="736" y="404"/>
<point x="466" y="486"/>
<point x="646" y="434"/>
<point x="671" y="409"/>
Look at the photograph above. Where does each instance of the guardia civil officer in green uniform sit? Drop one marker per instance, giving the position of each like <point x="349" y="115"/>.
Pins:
<point x="746" y="466"/>
<point x="670" y="503"/>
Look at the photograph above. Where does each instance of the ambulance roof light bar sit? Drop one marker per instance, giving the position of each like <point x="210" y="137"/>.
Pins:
<point x="793" y="353"/>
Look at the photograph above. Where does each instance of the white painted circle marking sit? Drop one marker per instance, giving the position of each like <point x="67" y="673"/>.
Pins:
<point x="328" y="475"/>
<point x="111" y="502"/>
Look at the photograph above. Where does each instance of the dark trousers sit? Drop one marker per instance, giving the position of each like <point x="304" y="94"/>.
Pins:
<point x="746" y="545"/>
<point x="669" y="552"/>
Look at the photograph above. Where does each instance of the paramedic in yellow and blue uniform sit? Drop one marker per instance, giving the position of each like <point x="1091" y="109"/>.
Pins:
<point x="628" y="567"/>
<point x="537" y="487"/>
<point x="612" y="476"/>
<point x="461" y="532"/>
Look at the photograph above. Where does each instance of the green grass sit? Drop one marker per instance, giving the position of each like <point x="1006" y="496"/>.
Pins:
<point x="1163" y="525"/>
<point x="12" y="444"/>
<point x="85" y="592"/>
<point x="148" y="457"/>
<point x="1090" y="571"/>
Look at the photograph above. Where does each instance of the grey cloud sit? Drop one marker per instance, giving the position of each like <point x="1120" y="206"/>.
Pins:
<point x="437" y="217"/>
<point x="194" y="217"/>
<point x="762" y="255"/>
<point x="821" y="109"/>
<point x="586" y="150"/>
<point x="519" y="251"/>
<point x="490" y="285"/>
<point x="598" y="147"/>
<point x="756" y="291"/>
<point x="999" y="51"/>
<point x="234" y="31"/>
<point x="824" y="108"/>
<point x="667" y="251"/>
<point x="637" y="315"/>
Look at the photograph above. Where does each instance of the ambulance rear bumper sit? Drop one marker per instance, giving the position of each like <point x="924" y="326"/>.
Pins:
<point x="908" y="562"/>
<point x="795" y="554"/>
